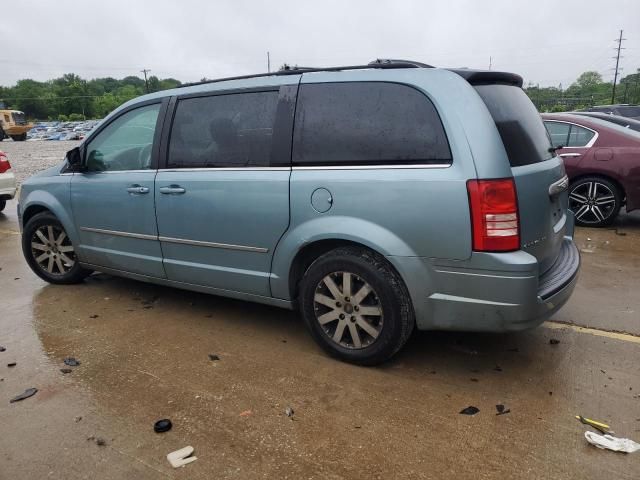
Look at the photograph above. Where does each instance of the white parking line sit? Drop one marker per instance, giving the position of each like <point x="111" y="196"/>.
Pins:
<point x="625" y="337"/>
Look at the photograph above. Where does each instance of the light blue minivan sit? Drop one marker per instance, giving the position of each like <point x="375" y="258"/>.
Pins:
<point x="373" y="198"/>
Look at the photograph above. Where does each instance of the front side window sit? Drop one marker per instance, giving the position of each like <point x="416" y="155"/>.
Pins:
<point x="367" y="123"/>
<point x="229" y="130"/>
<point x="126" y="143"/>
<point x="559" y="133"/>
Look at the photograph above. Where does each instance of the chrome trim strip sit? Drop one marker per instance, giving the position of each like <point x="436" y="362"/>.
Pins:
<point x="558" y="186"/>
<point x="200" y="243"/>
<point x="226" y="169"/>
<point x="100" y="172"/>
<point x="374" y="167"/>
<point x="570" y="154"/>
<point x="117" y="233"/>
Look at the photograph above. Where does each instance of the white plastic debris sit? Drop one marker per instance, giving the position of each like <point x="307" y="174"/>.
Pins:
<point x="612" y="443"/>
<point x="181" y="457"/>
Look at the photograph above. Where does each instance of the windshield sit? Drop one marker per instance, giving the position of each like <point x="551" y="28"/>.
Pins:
<point x="18" y="118"/>
<point x="523" y="134"/>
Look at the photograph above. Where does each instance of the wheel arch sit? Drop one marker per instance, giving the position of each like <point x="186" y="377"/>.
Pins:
<point x="41" y="201"/>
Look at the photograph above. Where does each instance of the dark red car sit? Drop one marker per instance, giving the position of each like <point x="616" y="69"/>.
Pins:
<point x="603" y="164"/>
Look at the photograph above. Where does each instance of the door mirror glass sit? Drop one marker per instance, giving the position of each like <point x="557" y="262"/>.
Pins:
<point x="74" y="159"/>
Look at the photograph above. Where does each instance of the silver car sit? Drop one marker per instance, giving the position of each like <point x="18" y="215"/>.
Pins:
<point x="374" y="199"/>
<point x="7" y="181"/>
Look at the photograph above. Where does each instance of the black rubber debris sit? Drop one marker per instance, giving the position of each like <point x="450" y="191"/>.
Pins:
<point x="162" y="426"/>
<point x="2" y="349"/>
<point x="471" y="410"/>
<point x="66" y="370"/>
<point x="474" y="379"/>
<point x="94" y="316"/>
<point x="101" y="442"/>
<point x="11" y="364"/>
<point x="498" y="368"/>
<point x="72" y="362"/>
<point x="502" y="410"/>
<point x="213" y="357"/>
<point x="554" y="341"/>
<point x="29" y="392"/>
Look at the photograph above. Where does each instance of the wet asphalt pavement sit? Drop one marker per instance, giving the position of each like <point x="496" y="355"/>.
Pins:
<point x="144" y="355"/>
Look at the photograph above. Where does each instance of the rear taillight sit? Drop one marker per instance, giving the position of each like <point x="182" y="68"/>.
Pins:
<point x="494" y="215"/>
<point x="4" y="163"/>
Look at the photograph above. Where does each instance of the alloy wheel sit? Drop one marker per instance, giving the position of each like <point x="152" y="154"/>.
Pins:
<point x="52" y="250"/>
<point x="348" y="310"/>
<point x="592" y="202"/>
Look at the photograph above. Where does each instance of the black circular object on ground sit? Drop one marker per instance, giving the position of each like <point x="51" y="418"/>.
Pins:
<point x="162" y="426"/>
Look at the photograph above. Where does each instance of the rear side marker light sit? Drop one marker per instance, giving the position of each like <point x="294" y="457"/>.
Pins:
<point x="494" y="215"/>
<point x="4" y="164"/>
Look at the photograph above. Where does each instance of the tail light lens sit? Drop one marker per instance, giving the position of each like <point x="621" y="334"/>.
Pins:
<point x="494" y="215"/>
<point x="4" y="163"/>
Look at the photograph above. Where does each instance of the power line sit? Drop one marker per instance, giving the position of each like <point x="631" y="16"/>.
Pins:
<point x="615" y="77"/>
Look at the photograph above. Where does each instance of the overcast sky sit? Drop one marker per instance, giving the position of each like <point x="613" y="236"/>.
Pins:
<point x="547" y="41"/>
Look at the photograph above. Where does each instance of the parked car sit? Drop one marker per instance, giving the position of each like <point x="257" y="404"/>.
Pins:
<point x="602" y="160"/>
<point x="7" y="181"/>
<point x="621" y="109"/>
<point x="373" y="198"/>
<point x="617" y="119"/>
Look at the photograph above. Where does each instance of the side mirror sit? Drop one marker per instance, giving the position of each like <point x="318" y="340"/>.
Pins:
<point x="74" y="159"/>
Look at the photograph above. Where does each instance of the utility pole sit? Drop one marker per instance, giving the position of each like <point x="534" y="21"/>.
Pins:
<point x="146" y="82"/>
<point x="490" y="62"/>
<point x="268" y="63"/>
<point x="615" y="76"/>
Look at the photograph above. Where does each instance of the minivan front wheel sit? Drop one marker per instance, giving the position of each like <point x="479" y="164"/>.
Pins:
<point x="50" y="252"/>
<point x="356" y="306"/>
<point x="594" y="201"/>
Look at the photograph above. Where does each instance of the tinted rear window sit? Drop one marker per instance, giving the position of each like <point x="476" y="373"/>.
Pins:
<point x="367" y="123"/>
<point x="523" y="134"/>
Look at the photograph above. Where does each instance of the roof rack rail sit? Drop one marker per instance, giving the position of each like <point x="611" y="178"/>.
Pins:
<point x="379" y="63"/>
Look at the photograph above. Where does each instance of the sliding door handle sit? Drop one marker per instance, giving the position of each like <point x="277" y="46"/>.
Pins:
<point x="172" y="190"/>
<point x="138" y="189"/>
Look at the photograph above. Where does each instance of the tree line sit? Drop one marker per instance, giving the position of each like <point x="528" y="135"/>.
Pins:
<point x="71" y="97"/>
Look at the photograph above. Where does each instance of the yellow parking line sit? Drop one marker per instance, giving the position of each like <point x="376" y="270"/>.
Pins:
<point x="625" y="337"/>
<point x="9" y="232"/>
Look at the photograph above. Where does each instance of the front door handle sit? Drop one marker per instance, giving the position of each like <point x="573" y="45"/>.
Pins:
<point x="172" y="190"/>
<point x="138" y="189"/>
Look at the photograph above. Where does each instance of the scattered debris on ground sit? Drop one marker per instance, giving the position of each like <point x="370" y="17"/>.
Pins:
<point x="2" y="349"/>
<point x="474" y="379"/>
<point x="162" y="426"/>
<point x="554" y="341"/>
<point x="213" y="357"/>
<point x="602" y="427"/>
<point x="502" y="410"/>
<point x="29" y="392"/>
<point x="101" y="442"/>
<point x="181" y="457"/>
<point x="246" y="413"/>
<point x="94" y="316"/>
<point x="77" y="419"/>
<point x="610" y="442"/>
<point x="66" y="370"/>
<point x="72" y="362"/>
<point x="289" y="412"/>
<point x="497" y="368"/>
<point x="11" y="364"/>
<point x="470" y="410"/>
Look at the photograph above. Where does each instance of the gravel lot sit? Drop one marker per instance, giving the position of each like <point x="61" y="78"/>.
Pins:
<point x="28" y="158"/>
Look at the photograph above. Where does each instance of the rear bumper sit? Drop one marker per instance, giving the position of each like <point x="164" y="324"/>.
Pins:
<point x="499" y="293"/>
<point x="7" y="186"/>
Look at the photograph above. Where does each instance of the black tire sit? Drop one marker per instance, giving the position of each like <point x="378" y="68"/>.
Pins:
<point x="595" y="201"/>
<point x="3" y="204"/>
<point x="71" y="273"/>
<point x="19" y="138"/>
<point x="389" y="296"/>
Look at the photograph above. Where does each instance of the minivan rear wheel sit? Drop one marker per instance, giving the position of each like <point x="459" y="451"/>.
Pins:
<point x="50" y="252"/>
<point x="356" y="306"/>
<point x="595" y="201"/>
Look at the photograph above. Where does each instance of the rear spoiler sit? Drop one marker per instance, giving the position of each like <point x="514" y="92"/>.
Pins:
<point x="488" y="77"/>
